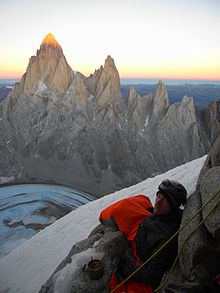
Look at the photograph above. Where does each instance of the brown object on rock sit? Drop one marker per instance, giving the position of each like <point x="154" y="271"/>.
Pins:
<point x="95" y="269"/>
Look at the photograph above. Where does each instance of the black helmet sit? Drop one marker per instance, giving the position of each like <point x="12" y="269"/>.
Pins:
<point x="174" y="192"/>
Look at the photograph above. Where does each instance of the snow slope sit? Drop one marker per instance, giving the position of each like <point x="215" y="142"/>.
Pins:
<point x="27" y="267"/>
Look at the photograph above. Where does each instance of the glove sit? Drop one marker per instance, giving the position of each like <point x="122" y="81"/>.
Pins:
<point x="116" y="246"/>
<point x="127" y="264"/>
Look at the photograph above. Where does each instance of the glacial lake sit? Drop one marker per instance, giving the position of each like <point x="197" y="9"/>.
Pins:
<point x="25" y="209"/>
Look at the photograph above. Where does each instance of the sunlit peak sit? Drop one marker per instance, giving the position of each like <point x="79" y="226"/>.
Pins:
<point x="49" y="40"/>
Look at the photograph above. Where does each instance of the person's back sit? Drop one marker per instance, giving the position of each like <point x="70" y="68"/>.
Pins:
<point x="153" y="232"/>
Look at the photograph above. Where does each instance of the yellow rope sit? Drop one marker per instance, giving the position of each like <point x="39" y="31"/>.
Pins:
<point x="167" y="242"/>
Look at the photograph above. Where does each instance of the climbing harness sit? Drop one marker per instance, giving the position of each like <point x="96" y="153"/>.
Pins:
<point x="171" y="238"/>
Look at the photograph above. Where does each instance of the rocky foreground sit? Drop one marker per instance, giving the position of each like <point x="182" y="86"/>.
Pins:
<point x="39" y="256"/>
<point x="101" y="240"/>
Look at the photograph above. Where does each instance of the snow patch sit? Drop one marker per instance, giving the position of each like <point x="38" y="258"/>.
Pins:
<point x="64" y="278"/>
<point x="41" y="87"/>
<point x="90" y="98"/>
<point x="6" y="179"/>
<point x="146" y="121"/>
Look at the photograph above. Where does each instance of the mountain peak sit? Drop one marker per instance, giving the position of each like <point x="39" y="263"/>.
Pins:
<point x="49" y="67"/>
<point x="161" y="100"/>
<point x="108" y="86"/>
<point x="109" y="61"/>
<point x="50" y="40"/>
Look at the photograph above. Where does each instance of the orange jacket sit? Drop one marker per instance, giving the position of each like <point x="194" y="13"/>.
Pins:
<point x="127" y="214"/>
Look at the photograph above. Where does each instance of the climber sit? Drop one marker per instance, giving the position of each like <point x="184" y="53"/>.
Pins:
<point x="146" y="229"/>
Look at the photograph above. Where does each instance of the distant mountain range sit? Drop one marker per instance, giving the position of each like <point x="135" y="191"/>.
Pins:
<point x="58" y="125"/>
<point x="203" y="94"/>
<point x="4" y="91"/>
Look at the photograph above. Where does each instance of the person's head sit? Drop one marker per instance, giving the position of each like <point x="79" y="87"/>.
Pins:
<point x="170" y="196"/>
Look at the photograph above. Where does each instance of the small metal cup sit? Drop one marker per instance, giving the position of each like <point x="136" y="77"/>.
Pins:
<point x="95" y="269"/>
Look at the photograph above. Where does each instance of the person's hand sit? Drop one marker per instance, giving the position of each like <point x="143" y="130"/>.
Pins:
<point x="117" y="246"/>
<point x="127" y="263"/>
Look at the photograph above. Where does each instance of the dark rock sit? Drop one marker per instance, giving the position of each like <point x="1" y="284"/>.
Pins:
<point x="210" y="184"/>
<point x="199" y="240"/>
<point x="206" y="240"/>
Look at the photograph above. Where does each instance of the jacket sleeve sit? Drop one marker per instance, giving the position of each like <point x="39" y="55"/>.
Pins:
<point x="153" y="271"/>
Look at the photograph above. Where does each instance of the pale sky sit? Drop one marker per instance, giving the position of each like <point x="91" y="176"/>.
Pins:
<point x="146" y="38"/>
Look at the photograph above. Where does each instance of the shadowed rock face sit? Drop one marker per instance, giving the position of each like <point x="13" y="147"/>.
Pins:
<point x="206" y="238"/>
<point x="61" y="126"/>
<point x="209" y="119"/>
<point x="209" y="184"/>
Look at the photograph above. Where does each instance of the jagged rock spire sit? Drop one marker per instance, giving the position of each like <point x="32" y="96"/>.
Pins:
<point x="105" y="83"/>
<point x="109" y="83"/>
<point x="161" y="100"/>
<point x="132" y="95"/>
<point x="49" y="67"/>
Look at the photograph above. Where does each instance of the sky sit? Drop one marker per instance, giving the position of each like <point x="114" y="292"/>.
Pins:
<point x="146" y="38"/>
<point x="38" y="257"/>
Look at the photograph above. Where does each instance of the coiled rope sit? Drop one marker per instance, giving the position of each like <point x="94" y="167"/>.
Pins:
<point x="171" y="238"/>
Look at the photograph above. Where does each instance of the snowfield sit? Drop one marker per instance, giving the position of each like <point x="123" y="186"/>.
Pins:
<point x="29" y="266"/>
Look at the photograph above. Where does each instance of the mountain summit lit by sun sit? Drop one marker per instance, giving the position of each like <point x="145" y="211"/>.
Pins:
<point x="50" y="40"/>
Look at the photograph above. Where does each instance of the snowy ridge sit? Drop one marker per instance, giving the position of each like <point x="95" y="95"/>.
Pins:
<point x="29" y="266"/>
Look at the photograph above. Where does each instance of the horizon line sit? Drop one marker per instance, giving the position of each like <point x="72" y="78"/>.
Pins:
<point x="141" y="78"/>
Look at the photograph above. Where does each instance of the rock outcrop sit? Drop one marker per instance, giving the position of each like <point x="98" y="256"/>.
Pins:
<point x="105" y="84"/>
<point x="207" y="237"/>
<point x="214" y="110"/>
<point x="209" y="119"/>
<point x="99" y="245"/>
<point x="161" y="101"/>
